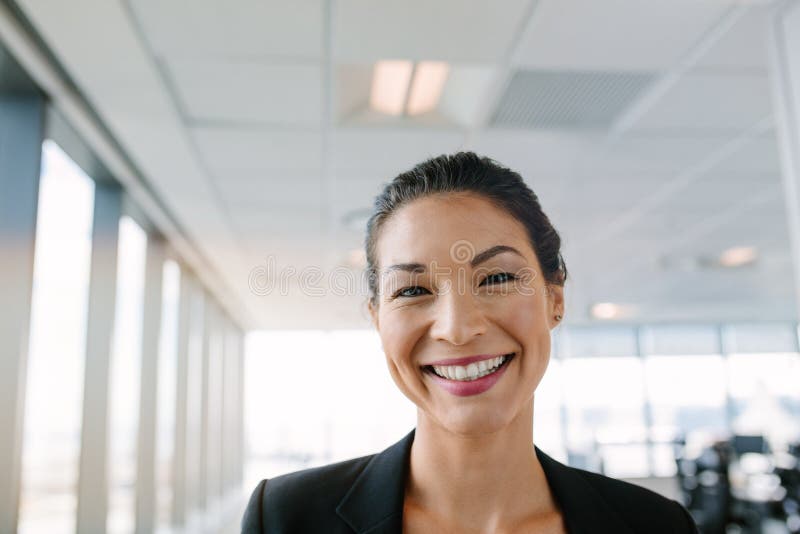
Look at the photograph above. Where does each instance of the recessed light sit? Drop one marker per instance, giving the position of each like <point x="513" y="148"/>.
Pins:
<point x="738" y="256"/>
<point x="611" y="310"/>
<point x="390" y="81"/>
<point x="427" y="86"/>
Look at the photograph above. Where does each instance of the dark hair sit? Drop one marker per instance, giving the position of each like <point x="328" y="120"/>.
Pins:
<point x="466" y="172"/>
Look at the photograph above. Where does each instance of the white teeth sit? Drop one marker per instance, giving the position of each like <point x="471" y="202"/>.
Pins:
<point x="472" y="371"/>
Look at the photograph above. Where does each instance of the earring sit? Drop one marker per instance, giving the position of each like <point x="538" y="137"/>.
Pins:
<point x="558" y="317"/>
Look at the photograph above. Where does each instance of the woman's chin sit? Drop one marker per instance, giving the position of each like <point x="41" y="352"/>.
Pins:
<point x="476" y="422"/>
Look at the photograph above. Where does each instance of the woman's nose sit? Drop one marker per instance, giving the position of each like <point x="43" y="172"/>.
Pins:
<point x="458" y="318"/>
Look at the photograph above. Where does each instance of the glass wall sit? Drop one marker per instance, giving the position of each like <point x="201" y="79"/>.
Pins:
<point x="320" y="419"/>
<point x="43" y="444"/>
<point x="125" y="371"/>
<point x="615" y="398"/>
<point x="53" y="406"/>
<point x="167" y="394"/>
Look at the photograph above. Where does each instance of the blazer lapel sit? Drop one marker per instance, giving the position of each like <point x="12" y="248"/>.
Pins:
<point x="374" y="503"/>
<point x="584" y="509"/>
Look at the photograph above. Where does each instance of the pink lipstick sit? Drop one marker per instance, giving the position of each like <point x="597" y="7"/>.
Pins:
<point x="464" y="388"/>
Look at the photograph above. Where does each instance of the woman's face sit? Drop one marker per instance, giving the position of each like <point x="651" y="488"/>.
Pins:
<point x="443" y="296"/>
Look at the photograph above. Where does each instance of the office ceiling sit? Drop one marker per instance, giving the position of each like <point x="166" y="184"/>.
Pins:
<point x="644" y="127"/>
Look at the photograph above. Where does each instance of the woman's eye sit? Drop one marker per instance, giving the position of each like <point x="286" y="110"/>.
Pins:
<point x="498" y="278"/>
<point x="415" y="291"/>
<point x="412" y="291"/>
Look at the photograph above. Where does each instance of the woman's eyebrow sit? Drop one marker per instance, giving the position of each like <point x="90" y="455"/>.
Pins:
<point x="477" y="260"/>
<point x="492" y="252"/>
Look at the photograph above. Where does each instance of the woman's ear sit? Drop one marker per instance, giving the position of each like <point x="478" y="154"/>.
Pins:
<point x="555" y="304"/>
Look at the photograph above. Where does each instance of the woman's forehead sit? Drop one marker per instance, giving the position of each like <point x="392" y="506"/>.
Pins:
<point x="451" y="214"/>
<point x="448" y="229"/>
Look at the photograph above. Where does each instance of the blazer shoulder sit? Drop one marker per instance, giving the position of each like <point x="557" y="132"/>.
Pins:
<point x="641" y="508"/>
<point x="301" y="501"/>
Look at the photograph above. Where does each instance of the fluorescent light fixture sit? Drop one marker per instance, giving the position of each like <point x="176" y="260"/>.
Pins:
<point x="426" y="89"/>
<point x="610" y="310"/>
<point x="738" y="256"/>
<point x="604" y="310"/>
<point x="390" y="86"/>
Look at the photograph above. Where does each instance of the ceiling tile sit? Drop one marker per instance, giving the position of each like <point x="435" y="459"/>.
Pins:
<point x="353" y="83"/>
<point x="744" y="46"/>
<point x="388" y="152"/>
<point x="466" y="90"/>
<point x="245" y="28"/>
<point x="703" y="102"/>
<point x="534" y="154"/>
<point x="279" y="189"/>
<point x="280" y="222"/>
<point x="248" y="92"/>
<point x="446" y="30"/>
<point x="654" y="154"/>
<point x="759" y="157"/>
<point x="227" y="150"/>
<point x="615" y="34"/>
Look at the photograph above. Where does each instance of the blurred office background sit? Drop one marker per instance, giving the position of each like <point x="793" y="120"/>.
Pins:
<point x="183" y="192"/>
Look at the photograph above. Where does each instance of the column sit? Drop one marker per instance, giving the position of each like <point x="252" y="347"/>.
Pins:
<point x="230" y="409"/>
<point x="643" y="344"/>
<point x="21" y="131"/>
<point x="213" y="435"/>
<point x="151" y="329"/>
<point x="93" y="477"/>
<point x="240" y="426"/>
<point x="179" y="497"/>
<point x="216" y="376"/>
<point x="202" y="485"/>
<point x="785" y="76"/>
<point x="194" y="395"/>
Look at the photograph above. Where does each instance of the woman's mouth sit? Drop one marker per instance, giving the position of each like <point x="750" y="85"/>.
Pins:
<point x="472" y="379"/>
<point x="473" y="371"/>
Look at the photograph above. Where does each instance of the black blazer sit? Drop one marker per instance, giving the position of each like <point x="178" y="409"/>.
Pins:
<point x="365" y="495"/>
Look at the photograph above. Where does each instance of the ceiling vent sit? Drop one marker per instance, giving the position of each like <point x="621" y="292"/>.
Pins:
<point x="568" y="99"/>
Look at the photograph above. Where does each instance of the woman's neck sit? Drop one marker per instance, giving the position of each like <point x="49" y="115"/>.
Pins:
<point x="484" y="482"/>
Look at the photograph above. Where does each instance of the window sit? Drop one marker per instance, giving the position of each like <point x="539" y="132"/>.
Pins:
<point x="765" y="395"/>
<point x="125" y="371"/>
<point x="53" y="406"/>
<point x="600" y="406"/>
<point x="604" y="398"/>
<point x="359" y="413"/>
<point x="167" y="393"/>
<point x="548" y="432"/>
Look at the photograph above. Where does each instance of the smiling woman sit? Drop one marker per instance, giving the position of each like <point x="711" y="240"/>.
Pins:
<point x="466" y="283"/>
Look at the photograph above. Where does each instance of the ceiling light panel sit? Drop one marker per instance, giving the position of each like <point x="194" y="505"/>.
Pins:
<point x="427" y="86"/>
<point x="390" y="81"/>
